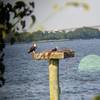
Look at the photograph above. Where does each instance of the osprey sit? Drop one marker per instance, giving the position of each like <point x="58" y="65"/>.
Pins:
<point x="33" y="48"/>
<point x="55" y="49"/>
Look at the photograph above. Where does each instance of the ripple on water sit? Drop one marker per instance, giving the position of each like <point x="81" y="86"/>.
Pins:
<point x="27" y="79"/>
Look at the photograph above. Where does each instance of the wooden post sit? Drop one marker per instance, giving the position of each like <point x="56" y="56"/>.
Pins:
<point x="54" y="79"/>
<point x="53" y="57"/>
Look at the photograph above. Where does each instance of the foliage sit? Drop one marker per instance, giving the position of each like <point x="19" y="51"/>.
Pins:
<point x="18" y="12"/>
<point x="80" y="33"/>
<point x="97" y="97"/>
<point x="83" y="33"/>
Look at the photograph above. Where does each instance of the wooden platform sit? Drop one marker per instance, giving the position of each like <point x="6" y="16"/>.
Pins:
<point x="53" y="58"/>
<point x="45" y="55"/>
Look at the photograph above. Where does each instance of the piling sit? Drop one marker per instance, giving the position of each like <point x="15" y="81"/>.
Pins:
<point x="53" y="58"/>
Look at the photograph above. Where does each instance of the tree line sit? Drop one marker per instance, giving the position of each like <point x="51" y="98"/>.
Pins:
<point x="79" y="33"/>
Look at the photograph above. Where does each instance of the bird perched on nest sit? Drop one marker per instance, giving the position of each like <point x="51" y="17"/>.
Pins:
<point x="33" y="48"/>
<point x="55" y="49"/>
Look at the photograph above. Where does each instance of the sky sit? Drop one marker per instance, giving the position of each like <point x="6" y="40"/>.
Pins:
<point x="55" y="15"/>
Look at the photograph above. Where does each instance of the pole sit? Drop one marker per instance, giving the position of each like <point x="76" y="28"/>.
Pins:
<point x="54" y="79"/>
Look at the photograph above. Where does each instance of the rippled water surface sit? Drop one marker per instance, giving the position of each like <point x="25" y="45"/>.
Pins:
<point x="27" y="79"/>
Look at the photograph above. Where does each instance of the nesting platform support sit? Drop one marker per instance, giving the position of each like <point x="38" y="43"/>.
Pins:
<point x="53" y="58"/>
<point x="54" y="79"/>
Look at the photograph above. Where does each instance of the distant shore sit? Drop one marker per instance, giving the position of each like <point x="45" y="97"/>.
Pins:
<point x="80" y="33"/>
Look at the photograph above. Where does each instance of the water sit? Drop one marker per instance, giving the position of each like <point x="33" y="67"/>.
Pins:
<point x="27" y="79"/>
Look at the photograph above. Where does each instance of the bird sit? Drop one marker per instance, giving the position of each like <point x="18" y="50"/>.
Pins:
<point x="33" y="48"/>
<point x="55" y="49"/>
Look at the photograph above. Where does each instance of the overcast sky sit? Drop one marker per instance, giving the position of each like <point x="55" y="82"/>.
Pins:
<point x="54" y="15"/>
<point x="68" y="17"/>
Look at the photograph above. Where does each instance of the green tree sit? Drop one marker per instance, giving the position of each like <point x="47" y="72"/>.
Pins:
<point x="97" y="97"/>
<point x="17" y="12"/>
